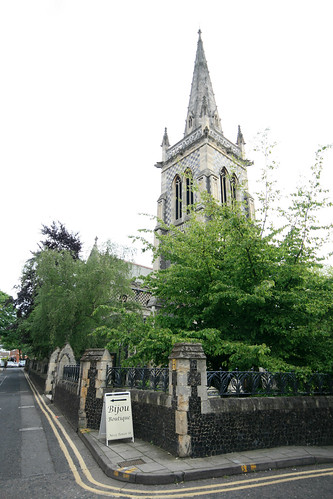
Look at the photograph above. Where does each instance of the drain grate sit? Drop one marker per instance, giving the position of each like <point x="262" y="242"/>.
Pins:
<point x="132" y="462"/>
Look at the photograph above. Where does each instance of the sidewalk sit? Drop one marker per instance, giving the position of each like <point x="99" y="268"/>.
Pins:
<point x="141" y="462"/>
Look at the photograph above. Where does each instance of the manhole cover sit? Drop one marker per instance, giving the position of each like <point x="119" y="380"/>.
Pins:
<point x="132" y="462"/>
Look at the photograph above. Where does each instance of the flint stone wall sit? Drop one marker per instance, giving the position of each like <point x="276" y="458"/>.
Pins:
<point x="234" y="425"/>
<point x="37" y="371"/>
<point x="153" y="417"/>
<point x="188" y="423"/>
<point x="38" y="379"/>
<point x="94" y="405"/>
<point x="67" y="400"/>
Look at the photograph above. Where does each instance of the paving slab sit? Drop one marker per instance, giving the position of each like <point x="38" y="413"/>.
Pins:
<point x="144" y="463"/>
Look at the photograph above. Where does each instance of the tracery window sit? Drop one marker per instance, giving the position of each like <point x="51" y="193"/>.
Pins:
<point x="223" y="180"/>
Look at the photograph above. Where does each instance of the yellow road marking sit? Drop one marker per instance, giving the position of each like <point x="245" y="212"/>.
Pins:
<point x="185" y="492"/>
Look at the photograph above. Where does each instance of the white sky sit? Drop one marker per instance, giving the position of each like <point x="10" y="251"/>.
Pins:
<point x="87" y="88"/>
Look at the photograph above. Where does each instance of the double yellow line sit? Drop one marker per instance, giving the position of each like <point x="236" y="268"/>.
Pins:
<point x="100" y="488"/>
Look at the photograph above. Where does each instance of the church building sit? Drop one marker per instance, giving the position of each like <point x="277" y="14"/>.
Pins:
<point x="204" y="156"/>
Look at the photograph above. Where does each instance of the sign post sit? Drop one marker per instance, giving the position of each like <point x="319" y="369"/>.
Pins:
<point x="116" y="422"/>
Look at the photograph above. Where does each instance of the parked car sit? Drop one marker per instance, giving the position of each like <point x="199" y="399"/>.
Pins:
<point x="21" y="363"/>
<point x="11" y="363"/>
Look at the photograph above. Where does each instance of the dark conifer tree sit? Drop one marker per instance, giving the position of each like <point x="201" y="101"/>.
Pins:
<point x="58" y="238"/>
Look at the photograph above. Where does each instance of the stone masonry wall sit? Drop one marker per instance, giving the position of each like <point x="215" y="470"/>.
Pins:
<point x="38" y="378"/>
<point x="93" y="405"/>
<point x="185" y="421"/>
<point x="233" y="425"/>
<point x="68" y="401"/>
<point x="217" y="426"/>
<point x="154" y="419"/>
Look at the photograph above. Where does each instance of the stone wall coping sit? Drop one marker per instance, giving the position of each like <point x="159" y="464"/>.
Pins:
<point x="95" y="354"/>
<point x="187" y="351"/>
<point x="227" y="405"/>
<point x="145" y="396"/>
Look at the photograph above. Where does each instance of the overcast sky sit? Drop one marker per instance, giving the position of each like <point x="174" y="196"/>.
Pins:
<point x="87" y="88"/>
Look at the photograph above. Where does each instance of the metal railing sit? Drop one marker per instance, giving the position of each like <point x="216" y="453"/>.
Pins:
<point x="71" y="373"/>
<point x="219" y="383"/>
<point x="247" y="383"/>
<point x="143" y="378"/>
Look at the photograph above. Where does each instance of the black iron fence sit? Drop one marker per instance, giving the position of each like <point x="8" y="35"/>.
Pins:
<point x="219" y="383"/>
<point x="143" y="378"/>
<point x="247" y="383"/>
<point x="71" y="373"/>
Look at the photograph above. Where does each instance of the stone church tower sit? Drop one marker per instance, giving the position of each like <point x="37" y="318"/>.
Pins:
<point x="204" y="156"/>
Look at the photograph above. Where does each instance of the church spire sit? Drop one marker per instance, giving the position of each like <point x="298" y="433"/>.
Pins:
<point x="94" y="253"/>
<point x="202" y="109"/>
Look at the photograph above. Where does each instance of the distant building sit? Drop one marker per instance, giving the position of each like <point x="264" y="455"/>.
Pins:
<point x="4" y="353"/>
<point x="137" y="273"/>
<point x="10" y="354"/>
<point x="141" y="295"/>
<point x="203" y="156"/>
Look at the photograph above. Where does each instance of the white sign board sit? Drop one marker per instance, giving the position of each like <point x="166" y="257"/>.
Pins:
<point x="116" y="421"/>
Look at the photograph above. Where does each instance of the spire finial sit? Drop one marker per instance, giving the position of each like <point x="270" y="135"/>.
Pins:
<point x="241" y="142"/>
<point x="201" y="93"/>
<point x="240" y="138"/>
<point x="165" y="141"/>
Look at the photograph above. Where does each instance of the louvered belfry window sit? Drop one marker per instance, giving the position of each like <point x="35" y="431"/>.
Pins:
<point x="189" y="190"/>
<point x="178" y="199"/>
<point x="223" y="179"/>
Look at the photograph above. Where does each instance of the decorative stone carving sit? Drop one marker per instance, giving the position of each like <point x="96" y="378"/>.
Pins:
<point x="182" y="144"/>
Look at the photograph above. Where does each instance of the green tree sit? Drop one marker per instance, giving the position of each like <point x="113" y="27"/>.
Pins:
<point x="123" y="333"/>
<point x="8" y="338"/>
<point x="253" y="293"/>
<point x="73" y="298"/>
<point x="58" y="239"/>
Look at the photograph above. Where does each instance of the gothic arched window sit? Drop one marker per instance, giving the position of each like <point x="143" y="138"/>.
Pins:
<point x="223" y="180"/>
<point x="178" y="198"/>
<point x="233" y="187"/>
<point x="189" y="190"/>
